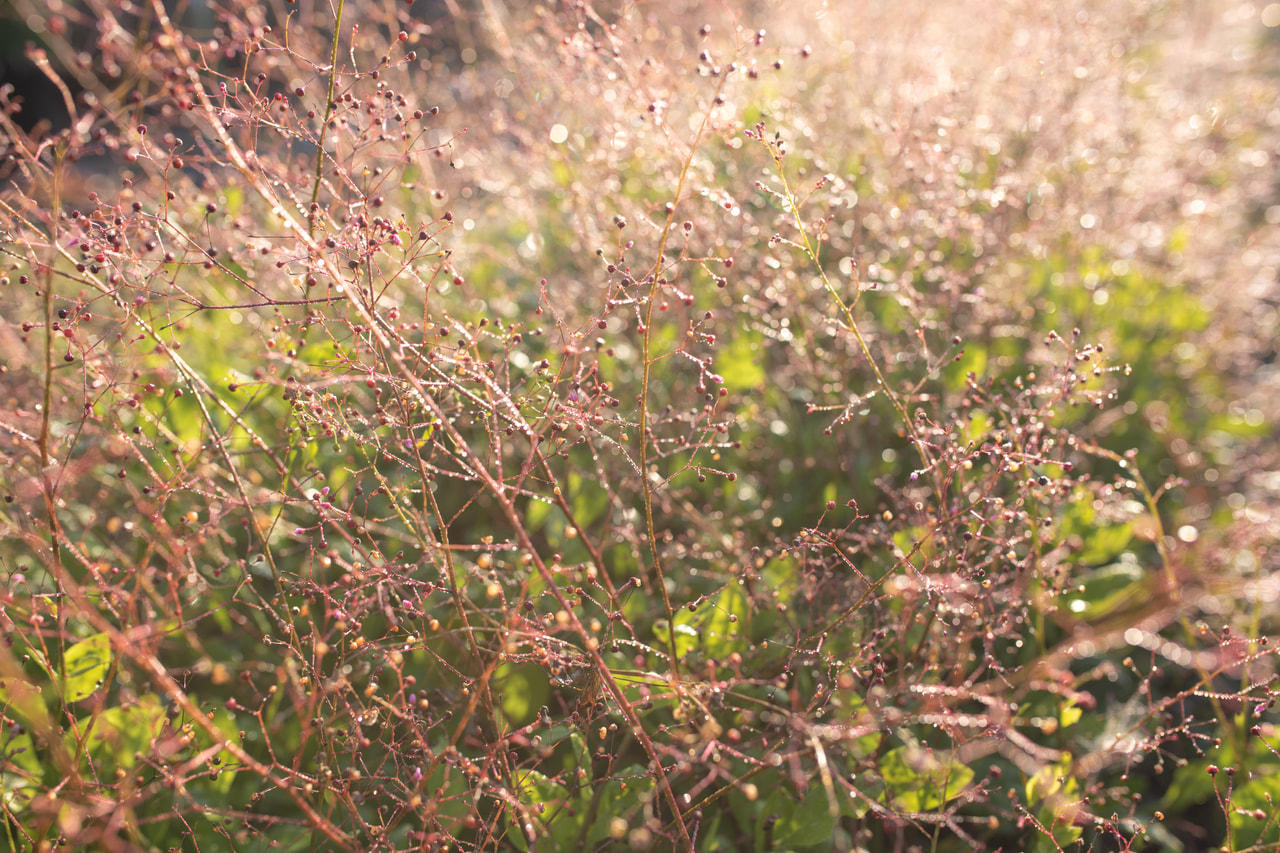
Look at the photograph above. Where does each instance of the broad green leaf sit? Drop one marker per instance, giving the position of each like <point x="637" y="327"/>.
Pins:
<point x="722" y="628"/>
<point x="85" y="666"/>
<point x="537" y="789"/>
<point x="1056" y="792"/>
<point x="918" y="780"/>
<point x="857" y="713"/>
<point x="1052" y="780"/>
<point x="22" y="769"/>
<point x="716" y="625"/>
<point x="1105" y="543"/>
<point x="710" y="834"/>
<point x="117" y="736"/>
<point x="224" y="764"/>
<point x="20" y="698"/>
<point x="1102" y="543"/>
<point x="546" y="800"/>
<point x="1236" y="426"/>
<point x="779" y="806"/>
<point x="811" y="822"/>
<point x="625" y="795"/>
<point x="686" y="634"/>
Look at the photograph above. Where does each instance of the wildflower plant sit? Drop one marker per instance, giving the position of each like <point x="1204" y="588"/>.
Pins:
<point x="534" y="430"/>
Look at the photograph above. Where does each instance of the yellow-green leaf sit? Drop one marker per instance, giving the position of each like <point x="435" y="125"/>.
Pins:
<point x="85" y="666"/>
<point x="918" y="780"/>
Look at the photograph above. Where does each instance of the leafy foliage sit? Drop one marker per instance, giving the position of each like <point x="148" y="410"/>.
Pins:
<point x="708" y="447"/>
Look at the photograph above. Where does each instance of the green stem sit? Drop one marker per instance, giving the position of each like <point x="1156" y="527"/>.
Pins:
<point x="328" y="113"/>
<point x="646" y="345"/>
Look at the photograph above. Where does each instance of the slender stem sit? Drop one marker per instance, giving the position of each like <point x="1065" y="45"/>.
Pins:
<point x="646" y="345"/>
<point x="47" y="473"/>
<point x="328" y="113"/>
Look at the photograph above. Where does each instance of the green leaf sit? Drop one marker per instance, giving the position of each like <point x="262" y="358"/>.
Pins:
<point x="781" y="574"/>
<point x="537" y="789"/>
<point x="918" y="543"/>
<point x="85" y="666"/>
<point x="811" y="822"/>
<point x="117" y="736"/>
<point x="1050" y="780"/>
<point x="1102" y="543"/>
<point x="22" y="770"/>
<point x="225" y="722"/>
<point x="546" y="799"/>
<point x="780" y="804"/>
<point x="21" y="698"/>
<point x="1105" y="543"/>
<point x="917" y="780"/>
<point x="1107" y="590"/>
<point x="1056" y="792"/>
<point x="716" y="626"/>
<point x="1239" y="426"/>
<point x="856" y="713"/>
<point x="623" y="795"/>
<point x="686" y="634"/>
<point x="722" y="629"/>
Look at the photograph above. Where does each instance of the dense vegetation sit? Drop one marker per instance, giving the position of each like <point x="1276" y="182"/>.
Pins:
<point x="612" y="424"/>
